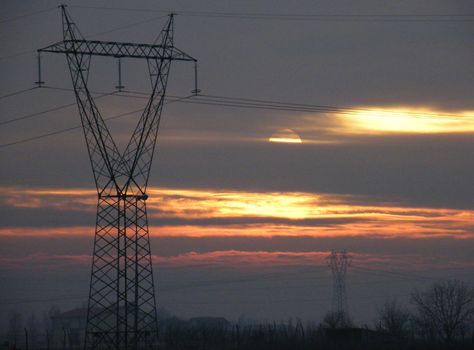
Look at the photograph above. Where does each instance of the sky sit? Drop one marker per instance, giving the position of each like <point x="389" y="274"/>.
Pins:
<point x="246" y="203"/>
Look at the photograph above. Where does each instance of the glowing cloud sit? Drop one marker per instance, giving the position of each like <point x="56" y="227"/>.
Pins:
<point x="406" y="120"/>
<point x="199" y="213"/>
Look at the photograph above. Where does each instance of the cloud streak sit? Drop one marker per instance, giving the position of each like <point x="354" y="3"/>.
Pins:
<point x="392" y="120"/>
<point x="239" y="259"/>
<point x="200" y="213"/>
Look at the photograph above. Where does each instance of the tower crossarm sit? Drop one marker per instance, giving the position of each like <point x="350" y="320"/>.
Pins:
<point x="118" y="49"/>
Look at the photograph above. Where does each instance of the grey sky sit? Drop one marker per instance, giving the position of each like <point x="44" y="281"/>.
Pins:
<point x="345" y="63"/>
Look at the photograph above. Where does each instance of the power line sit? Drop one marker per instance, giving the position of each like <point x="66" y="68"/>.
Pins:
<point x="305" y="17"/>
<point x="11" y="19"/>
<point x="126" y="26"/>
<point x="327" y="107"/>
<point x="130" y="95"/>
<point x="395" y="274"/>
<point x="33" y="138"/>
<point x="17" y="93"/>
<point x="190" y="286"/>
<point x="202" y="100"/>
<point x="236" y="102"/>
<point x="54" y="109"/>
<point x="449" y="18"/>
<point x="65" y="298"/>
<point x="336" y="18"/>
<point x="240" y="102"/>
<point x="115" y="29"/>
<point x="27" y="116"/>
<point x="18" y="54"/>
<point x="267" y="277"/>
<point x="64" y="130"/>
<point x="221" y="101"/>
<point x="41" y="300"/>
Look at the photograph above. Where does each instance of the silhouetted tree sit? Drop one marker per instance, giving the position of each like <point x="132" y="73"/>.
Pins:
<point x="15" y="327"/>
<point x="393" y="318"/>
<point x="335" y="319"/>
<point x="33" y="328"/>
<point x="53" y="311"/>
<point x="445" y="309"/>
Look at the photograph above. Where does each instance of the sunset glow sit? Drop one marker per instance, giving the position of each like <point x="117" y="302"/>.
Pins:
<point x="407" y="120"/>
<point x="264" y="214"/>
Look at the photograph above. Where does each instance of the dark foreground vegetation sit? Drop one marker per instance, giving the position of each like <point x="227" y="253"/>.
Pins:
<point x="288" y="336"/>
<point x="294" y="336"/>
<point x="441" y="317"/>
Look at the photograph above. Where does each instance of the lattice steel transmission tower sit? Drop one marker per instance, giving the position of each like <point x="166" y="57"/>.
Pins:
<point x="339" y="262"/>
<point x="122" y="306"/>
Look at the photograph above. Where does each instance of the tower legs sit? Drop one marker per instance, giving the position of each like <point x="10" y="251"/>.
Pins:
<point x="122" y="307"/>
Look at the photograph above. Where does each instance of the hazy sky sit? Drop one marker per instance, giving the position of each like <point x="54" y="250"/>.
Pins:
<point x="241" y="226"/>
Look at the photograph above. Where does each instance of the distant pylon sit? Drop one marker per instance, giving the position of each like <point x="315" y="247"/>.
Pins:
<point x="339" y="261"/>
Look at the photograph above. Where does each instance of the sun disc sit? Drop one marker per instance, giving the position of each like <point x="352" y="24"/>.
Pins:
<point x="285" y="136"/>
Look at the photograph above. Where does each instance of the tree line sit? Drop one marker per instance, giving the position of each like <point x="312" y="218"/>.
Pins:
<point x="439" y="317"/>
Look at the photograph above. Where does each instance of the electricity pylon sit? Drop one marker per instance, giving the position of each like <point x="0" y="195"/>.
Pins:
<point x="122" y="307"/>
<point x="339" y="262"/>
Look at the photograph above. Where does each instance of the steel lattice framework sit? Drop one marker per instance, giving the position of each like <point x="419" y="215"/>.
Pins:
<point x="339" y="262"/>
<point x="122" y="306"/>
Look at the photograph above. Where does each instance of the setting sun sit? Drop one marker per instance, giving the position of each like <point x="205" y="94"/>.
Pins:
<point x="285" y="136"/>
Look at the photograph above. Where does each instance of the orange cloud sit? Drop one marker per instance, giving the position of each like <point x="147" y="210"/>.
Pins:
<point x="240" y="258"/>
<point x="243" y="213"/>
<point x="372" y="228"/>
<point x="55" y="198"/>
